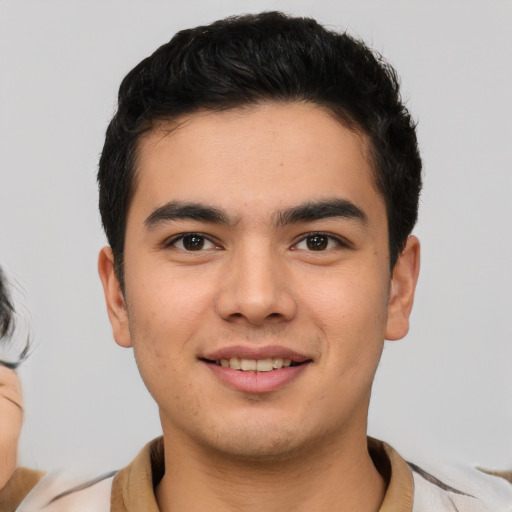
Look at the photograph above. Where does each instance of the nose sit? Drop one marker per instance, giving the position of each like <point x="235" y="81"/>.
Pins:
<point x="255" y="288"/>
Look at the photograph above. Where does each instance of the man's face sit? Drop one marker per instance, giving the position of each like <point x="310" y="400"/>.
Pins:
<point x="256" y="238"/>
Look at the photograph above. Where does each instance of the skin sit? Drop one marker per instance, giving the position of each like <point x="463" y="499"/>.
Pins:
<point x="256" y="282"/>
<point x="11" y="417"/>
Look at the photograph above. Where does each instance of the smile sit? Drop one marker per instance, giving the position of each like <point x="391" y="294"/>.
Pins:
<point x="253" y="369"/>
<point x="254" y="365"/>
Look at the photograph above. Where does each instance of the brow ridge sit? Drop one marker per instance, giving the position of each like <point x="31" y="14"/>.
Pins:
<point x="307" y="212"/>
<point x="317" y="210"/>
<point x="175" y="210"/>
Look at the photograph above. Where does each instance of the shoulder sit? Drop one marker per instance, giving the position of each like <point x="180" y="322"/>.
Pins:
<point x="20" y="484"/>
<point x="450" y="487"/>
<point x="433" y="486"/>
<point x="33" y="491"/>
<point x="64" y="493"/>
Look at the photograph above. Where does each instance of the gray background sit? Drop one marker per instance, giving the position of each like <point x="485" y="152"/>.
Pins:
<point x="444" y="392"/>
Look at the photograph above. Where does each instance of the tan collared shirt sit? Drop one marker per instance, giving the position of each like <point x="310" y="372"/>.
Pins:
<point x="133" y="487"/>
<point x="409" y="487"/>
<point x="133" y="491"/>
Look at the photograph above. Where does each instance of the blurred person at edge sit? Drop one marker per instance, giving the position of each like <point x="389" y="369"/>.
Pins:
<point x="11" y="400"/>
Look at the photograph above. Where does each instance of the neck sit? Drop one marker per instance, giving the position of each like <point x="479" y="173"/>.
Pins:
<point x="339" y="477"/>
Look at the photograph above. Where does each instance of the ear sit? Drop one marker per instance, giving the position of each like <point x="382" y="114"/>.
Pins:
<point x="114" y="298"/>
<point x="403" y="285"/>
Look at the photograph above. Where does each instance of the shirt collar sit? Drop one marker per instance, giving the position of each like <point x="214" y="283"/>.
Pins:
<point x="134" y="486"/>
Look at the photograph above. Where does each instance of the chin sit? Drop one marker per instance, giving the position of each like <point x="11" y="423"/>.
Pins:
<point x="258" y="442"/>
<point x="258" y="449"/>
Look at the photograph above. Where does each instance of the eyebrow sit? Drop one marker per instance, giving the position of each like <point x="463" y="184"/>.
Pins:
<point x="329" y="208"/>
<point x="308" y="212"/>
<point x="175" y="210"/>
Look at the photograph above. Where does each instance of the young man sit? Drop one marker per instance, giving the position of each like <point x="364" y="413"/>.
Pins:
<point x="258" y="187"/>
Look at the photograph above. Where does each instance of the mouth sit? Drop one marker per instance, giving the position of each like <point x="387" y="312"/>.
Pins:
<point x="256" y="365"/>
<point x="256" y="369"/>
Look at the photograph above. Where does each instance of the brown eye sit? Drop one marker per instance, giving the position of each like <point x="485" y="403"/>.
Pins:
<point x="193" y="242"/>
<point x="317" y="242"/>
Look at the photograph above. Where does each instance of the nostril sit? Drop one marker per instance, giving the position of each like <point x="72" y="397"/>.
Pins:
<point x="237" y="303"/>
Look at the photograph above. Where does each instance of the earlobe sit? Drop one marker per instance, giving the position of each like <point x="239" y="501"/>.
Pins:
<point x="403" y="286"/>
<point x="114" y="298"/>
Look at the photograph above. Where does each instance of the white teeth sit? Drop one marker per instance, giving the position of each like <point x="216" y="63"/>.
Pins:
<point x="277" y="363"/>
<point x="233" y="362"/>
<point x="248" y="364"/>
<point x="255" y="365"/>
<point x="264" y="365"/>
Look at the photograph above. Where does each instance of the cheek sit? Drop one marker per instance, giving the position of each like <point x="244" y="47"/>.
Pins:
<point x="348" y="299"/>
<point x="165" y="306"/>
<point x="350" y="309"/>
<point x="166" y="313"/>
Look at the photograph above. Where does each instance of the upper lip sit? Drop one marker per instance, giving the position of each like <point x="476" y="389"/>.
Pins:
<point x="249" y="352"/>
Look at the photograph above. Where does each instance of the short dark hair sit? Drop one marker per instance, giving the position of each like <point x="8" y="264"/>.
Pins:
<point x="8" y="325"/>
<point x="267" y="57"/>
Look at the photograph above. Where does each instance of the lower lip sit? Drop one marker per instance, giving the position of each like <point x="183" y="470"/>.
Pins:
<point x="256" y="382"/>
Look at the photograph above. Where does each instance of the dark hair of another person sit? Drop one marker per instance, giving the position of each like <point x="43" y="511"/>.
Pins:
<point x="7" y="323"/>
<point x="253" y="59"/>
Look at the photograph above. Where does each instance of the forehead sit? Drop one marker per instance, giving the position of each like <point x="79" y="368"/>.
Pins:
<point x="271" y="155"/>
